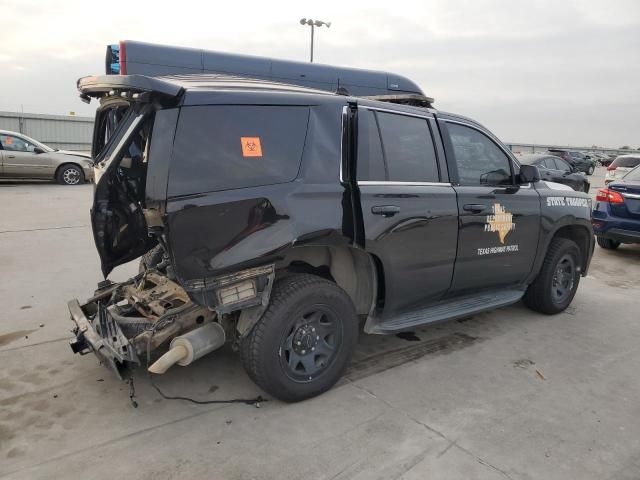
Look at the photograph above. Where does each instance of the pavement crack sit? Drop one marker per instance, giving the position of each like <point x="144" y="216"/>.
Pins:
<point x="499" y="470"/>
<point x="42" y="229"/>
<point x="451" y="443"/>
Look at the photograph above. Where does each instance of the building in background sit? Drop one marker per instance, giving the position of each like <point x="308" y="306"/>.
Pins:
<point x="64" y="132"/>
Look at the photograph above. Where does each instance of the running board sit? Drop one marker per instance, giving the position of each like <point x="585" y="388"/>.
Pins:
<point x="445" y="310"/>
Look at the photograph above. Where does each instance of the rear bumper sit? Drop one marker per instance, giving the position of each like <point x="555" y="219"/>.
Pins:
<point x="114" y="351"/>
<point x="620" y="235"/>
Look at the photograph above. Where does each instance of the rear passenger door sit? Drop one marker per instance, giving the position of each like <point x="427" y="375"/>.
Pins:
<point x="408" y="207"/>
<point x="499" y="220"/>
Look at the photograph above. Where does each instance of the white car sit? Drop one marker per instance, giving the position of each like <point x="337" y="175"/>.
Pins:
<point x="620" y="167"/>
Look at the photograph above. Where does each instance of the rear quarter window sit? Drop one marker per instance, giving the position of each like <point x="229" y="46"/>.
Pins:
<point x="223" y="147"/>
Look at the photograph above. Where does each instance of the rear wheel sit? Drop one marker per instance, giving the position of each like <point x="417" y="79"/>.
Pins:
<point x="304" y="341"/>
<point x="555" y="286"/>
<point x="70" y="175"/>
<point x="607" y="243"/>
<point x="590" y="170"/>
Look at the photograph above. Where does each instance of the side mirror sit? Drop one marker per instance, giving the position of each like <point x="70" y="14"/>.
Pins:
<point x="529" y="174"/>
<point x="38" y="150"/>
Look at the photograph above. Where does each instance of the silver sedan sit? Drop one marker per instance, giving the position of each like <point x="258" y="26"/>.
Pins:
<point x="22" y="157"/>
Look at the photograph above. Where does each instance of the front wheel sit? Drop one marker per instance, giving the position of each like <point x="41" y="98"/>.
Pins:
<point x="607" y="243"/>
<point x="70" y="175"/>
<point x="555" y="286"/>
<point x="590" y="170"/>
<point x="303" y="343"/>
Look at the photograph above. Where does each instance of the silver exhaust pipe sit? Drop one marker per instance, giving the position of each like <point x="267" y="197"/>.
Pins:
<point x="190" y="346"/>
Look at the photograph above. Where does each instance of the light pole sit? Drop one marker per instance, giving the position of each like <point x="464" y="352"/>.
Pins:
<point x="313" y="24"/>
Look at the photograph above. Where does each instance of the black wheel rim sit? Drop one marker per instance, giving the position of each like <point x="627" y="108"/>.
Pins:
<point x="311" y="344"/>
<point x="563" y="279"/>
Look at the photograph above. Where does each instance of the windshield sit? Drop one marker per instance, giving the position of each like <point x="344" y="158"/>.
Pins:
<point x="633" y="175"/>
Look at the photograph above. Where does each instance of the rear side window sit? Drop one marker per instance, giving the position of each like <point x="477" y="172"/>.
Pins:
<point x="628" y="162"/>
<point x="370" y="159"/>
<point x="408" y="148"/>
<point x="223" y="147"/>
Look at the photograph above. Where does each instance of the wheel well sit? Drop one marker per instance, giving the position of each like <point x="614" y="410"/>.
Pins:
<point x="352" y="269"/>
<point x="580" y="235"/>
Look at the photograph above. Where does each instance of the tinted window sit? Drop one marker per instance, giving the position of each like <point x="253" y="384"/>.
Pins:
<point x="408" y="148"/>
<point x="370" y="161"/>
<point x="628" y="162"/>
<point x="547" y="163"/>
<point x="479" y="160"/>
<point x="226" y="147"/>
<point x="562" y="165"/>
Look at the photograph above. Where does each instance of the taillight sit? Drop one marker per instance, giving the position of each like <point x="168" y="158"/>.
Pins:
<point x="609" y="196"/>
<point x="611" y="167"/>
<point x="123" y="58"/>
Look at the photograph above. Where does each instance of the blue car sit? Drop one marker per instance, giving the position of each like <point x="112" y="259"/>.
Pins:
<point x="616" y="214"/>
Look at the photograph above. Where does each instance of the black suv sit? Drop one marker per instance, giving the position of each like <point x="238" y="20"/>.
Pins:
<point x="578" y="160"/>
<point x="276" y="217"/>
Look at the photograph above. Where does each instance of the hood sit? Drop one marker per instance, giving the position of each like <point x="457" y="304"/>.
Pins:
<point x="74" y="153"/>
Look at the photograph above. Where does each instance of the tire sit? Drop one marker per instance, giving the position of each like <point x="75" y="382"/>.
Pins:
<point x="70" y="174"/>
<point x="150" y="259"/>
<point x="555" y="286"/>
<point x="590" y="170"/>
<point x="284" y="355"/>
<point x="607" y="243"/>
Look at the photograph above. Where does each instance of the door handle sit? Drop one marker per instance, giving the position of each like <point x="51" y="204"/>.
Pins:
<point x="385" y="210"/>
<point x="11" y="156"/>
<point x="474" y="207"/>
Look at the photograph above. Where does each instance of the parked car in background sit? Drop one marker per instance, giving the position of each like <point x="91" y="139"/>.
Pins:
<point x="616" y="213"/>
<point x="608" y="159"/>
<point x="555" y="169"/>
<point x="620" y="167"/>
<point x="576" y="159"/>
<point x="22" y="157"/>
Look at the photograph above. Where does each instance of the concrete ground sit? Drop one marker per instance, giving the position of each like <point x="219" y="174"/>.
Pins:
<point x="508" y="394"/>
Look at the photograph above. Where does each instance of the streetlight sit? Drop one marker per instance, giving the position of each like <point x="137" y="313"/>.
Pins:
<point x="313" y="24"/>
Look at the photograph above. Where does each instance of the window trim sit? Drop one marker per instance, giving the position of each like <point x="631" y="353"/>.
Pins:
<point x="427" y="119"/>
<point x="512" y="160"/>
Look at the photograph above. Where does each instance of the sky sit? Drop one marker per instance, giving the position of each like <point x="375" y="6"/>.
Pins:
<point x="557" y="72"/>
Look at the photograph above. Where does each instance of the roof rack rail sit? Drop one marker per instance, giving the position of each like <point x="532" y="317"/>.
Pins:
<point x="413" y="99"/>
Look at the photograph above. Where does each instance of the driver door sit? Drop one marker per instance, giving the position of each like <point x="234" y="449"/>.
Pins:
<point x="499" y="220"/>
<point x="20" y="160"/>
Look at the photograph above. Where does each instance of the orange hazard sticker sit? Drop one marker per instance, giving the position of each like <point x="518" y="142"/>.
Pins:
<point x="251" y="146"/>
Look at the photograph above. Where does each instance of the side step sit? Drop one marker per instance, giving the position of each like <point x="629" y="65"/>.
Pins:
<point x="449" y="309"/>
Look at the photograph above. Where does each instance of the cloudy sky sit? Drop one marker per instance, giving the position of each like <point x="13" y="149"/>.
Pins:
<point x="563" y="71"/>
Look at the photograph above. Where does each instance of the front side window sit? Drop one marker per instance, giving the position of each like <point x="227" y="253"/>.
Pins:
<point x="15" y="144"/>
<point x="479" y="160"/>
<point x="222" y="147"/>
<point x="562" y="165"/>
